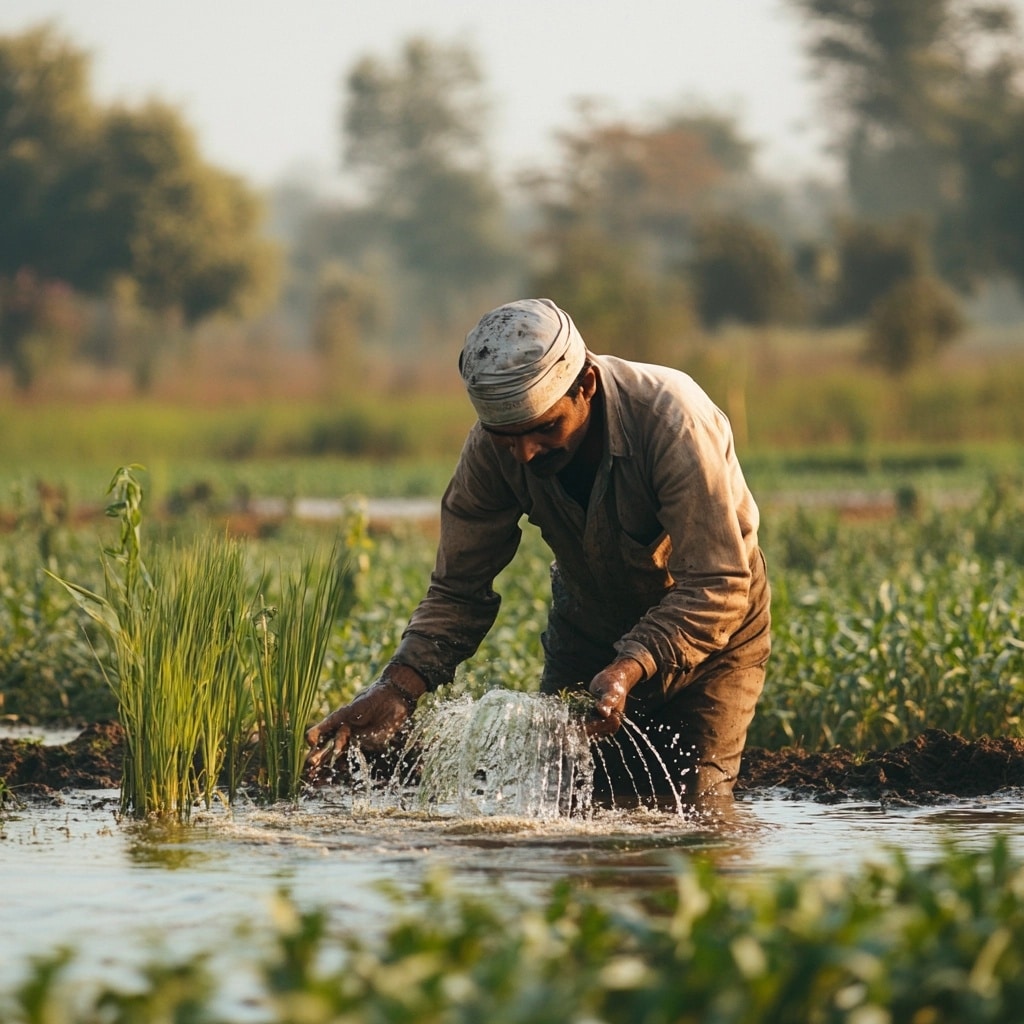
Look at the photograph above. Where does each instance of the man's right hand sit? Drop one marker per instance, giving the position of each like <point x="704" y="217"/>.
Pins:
<point x="373" y="719"/>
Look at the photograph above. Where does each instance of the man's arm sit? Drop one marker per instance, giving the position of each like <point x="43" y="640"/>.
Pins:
<point x="479" y="536"/>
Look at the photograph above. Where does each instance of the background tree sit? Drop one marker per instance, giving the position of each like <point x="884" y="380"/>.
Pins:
<point x="639" y="186"/>
<point x="621" y="308"/>
<point x="345" y="311"/>
<point x="926" y="100"/>
<point x="616" y="223"/>
<point x="414" y="135"/>
<point x="911" y="322"/>
<point x="872" y="257"/>
<point x="741" y="272"/>
<point x="91" y="196"/>
<point x="46" y="122"/>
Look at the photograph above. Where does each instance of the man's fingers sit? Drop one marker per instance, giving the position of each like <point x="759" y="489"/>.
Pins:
<point x="317" y="734"/>
<point x="604" y="722"/>
<point x="327" y="751"/>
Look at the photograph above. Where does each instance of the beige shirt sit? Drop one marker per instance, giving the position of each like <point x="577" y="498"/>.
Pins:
<point x="658" y="564"/>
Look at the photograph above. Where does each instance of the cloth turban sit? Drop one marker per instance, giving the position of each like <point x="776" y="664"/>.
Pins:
<point x="519" y="360"/>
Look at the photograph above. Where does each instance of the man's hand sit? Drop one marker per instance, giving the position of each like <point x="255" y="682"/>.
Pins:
<point x="611" y="687"/>
<point x="373" y="719"/>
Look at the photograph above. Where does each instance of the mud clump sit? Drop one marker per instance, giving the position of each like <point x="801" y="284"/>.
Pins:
<point x="92" y="760"/>
<point x="930" y="768"/>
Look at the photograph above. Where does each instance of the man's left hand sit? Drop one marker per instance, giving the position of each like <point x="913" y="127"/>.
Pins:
<point x="611" y="687"/>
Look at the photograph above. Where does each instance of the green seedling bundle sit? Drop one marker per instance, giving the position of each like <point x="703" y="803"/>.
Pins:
<point x="204" y="681"/>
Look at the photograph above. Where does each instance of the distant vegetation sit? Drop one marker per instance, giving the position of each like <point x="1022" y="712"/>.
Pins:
<point x="890" y="617"/>
<point x="123" y="251"/>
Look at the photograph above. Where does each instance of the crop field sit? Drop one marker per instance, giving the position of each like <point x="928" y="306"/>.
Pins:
<point x="883" y="626"/>
<point x="898" y="599"/>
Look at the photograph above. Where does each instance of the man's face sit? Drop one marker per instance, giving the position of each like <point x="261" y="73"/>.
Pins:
<point x="547" y="444"/>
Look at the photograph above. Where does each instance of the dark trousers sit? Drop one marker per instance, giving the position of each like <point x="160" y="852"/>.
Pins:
<point x="686" y="747"/>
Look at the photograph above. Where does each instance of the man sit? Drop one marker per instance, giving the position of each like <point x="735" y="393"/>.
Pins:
<point x="660" y="602"/>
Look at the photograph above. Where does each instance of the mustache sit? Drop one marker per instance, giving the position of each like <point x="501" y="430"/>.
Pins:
<point x="548" y="462"/>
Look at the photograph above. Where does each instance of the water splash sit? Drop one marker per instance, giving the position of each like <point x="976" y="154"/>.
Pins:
<point x="510" y="754"/>
<point x="507" y="753"/>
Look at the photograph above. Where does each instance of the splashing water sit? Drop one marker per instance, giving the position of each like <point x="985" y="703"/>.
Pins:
<point x="517" y="755"/>
<point x="507" y="753"/>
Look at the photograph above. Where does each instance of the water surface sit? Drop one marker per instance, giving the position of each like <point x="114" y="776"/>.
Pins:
<point x="75" y="874"/>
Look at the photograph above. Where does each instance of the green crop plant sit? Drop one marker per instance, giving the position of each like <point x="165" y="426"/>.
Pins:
<point x="197" y="673"/>
<point x="291" y="644"/>
<point x="883" y="630"/>
<point x="177" y="664"/>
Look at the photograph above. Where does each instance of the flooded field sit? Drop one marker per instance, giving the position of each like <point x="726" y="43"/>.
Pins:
<point x="118" y="891"/>
<point x="75" y="874"/>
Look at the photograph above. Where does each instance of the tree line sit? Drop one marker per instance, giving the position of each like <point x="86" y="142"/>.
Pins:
<point x="116" y="235"/>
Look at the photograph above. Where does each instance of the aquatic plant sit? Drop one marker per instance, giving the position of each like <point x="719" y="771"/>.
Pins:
<point x="188" y="654"/>
<point x="942" y="943"/>
<point x="291" y="642"/>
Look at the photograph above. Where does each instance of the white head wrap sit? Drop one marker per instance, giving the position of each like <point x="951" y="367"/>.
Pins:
<point x="519" y="360"/>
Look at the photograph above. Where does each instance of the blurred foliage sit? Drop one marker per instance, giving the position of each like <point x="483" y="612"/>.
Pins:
<point x="911" y="322"/>
<point x="927" y="110"/>
<point x="116" y="238"/>
<point x="939" y="942"/>
<point x="413" y="134"/>
<point x="872" y="258"/>
<point x="741" y="272"/>
<point x="90" y="195"/>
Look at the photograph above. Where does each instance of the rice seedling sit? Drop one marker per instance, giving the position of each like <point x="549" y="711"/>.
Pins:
<point x="197" y="673"/>
<point x="291" y="643"/>
<point x="177" y="667"/>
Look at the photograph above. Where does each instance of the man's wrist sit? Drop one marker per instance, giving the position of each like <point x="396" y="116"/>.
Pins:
<point x="405" y="679"/>
<point x="630" y="670"/>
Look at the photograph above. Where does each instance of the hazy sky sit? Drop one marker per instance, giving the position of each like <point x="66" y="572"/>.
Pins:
<point x="260" y="82"/>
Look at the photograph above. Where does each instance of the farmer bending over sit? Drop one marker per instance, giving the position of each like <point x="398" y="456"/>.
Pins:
<point x="659" y="598"/>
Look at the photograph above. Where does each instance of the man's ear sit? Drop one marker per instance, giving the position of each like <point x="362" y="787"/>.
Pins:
<point x="588" y="386"/>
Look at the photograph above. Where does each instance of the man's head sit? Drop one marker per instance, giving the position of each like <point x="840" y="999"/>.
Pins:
<point x="519" y="360"/>
<point x="528" y="375"/>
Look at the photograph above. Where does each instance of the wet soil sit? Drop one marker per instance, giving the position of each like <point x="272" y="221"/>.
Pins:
<point x="933" y="767"/>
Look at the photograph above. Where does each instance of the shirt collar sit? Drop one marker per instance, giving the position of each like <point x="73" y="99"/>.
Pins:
<point x="618" y="440"/>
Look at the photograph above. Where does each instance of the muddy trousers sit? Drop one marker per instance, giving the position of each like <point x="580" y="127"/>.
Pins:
<point x="688" y="746"/>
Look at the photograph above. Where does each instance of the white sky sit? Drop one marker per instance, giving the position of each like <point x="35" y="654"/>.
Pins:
<point x="260" y="81"/>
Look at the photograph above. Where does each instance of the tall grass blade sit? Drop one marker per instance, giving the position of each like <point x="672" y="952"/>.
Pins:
<point x="291" y="645"/>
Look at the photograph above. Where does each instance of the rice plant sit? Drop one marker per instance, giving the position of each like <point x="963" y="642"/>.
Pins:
<point x="197" y="673"/>
<point x="291" y="642"/>
<point x="177" y="665"/>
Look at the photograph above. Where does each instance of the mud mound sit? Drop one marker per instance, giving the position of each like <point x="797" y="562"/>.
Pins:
<point x="933" y="766"/>
<point x="91" y="760"/>
<point x="936" y="765"/>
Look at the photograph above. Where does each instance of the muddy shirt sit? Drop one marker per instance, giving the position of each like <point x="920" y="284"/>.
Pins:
<point x="656" y="566"/>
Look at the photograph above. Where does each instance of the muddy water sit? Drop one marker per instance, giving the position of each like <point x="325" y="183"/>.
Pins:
<point x="74" y="874"/>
